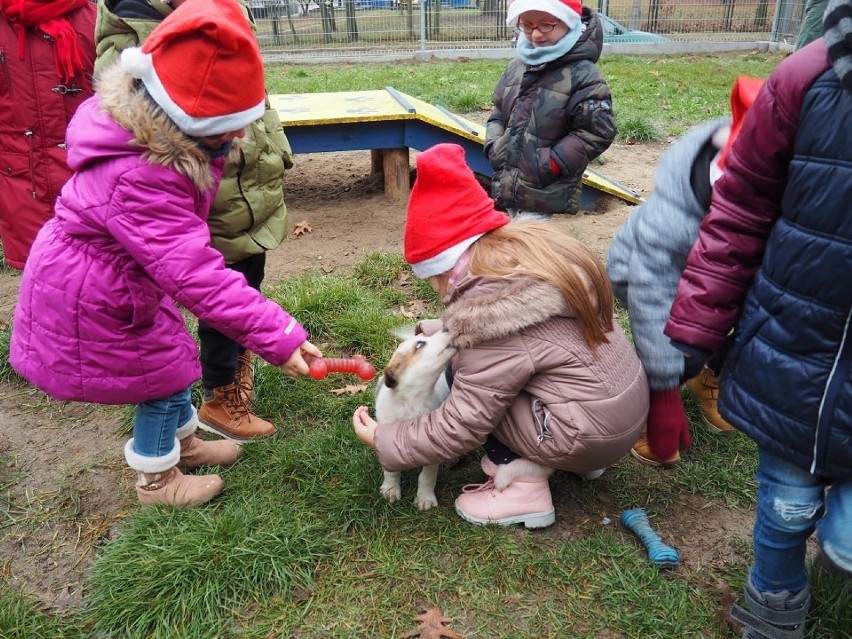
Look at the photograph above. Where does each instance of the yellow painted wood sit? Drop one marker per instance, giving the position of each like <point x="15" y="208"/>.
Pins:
<point x="342" y="107"/>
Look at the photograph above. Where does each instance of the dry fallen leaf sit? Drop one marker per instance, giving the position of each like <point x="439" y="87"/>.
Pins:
<point x="301" y="228"/>
<point x="349" y="389"/>
<point x="432" y="626"/>
<point x="417" y="306"/>
<point x="406" y="314"/>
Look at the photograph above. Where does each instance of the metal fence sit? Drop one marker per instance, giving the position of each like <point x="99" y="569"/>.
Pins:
<point x="358" y="29"/>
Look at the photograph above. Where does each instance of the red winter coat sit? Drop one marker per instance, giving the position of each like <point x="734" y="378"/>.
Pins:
<point x="36" y="105"/>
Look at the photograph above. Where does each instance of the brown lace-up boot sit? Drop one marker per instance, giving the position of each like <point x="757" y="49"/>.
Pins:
<point x="224" y="412"/>
<point x="244" y="377"/>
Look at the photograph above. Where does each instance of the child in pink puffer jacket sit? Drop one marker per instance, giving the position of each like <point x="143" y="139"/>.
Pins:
<point x="97" y="319"/>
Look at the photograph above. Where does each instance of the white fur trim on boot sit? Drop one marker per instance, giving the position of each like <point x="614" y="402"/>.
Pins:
<point x="488" y="466"/>
<point x="519" y="468"/>
<point x="151" y="465"/>
<point x="189" y="427"/>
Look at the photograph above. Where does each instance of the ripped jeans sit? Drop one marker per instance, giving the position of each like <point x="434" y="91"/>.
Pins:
<point x="792" y="504"/>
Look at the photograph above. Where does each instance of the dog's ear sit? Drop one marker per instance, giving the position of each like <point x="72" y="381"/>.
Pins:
<point x="404" y="332"/>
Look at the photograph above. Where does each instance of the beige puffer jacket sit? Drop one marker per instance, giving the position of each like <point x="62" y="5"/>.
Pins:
<point x="525" y="374"/>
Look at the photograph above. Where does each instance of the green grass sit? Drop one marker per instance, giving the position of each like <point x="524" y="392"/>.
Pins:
<point x="302" y="545"/>
<point x="653" y="97"/>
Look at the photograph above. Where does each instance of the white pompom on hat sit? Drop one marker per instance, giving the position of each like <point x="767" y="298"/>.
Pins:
<point x="203" y="67"/>
<point x="567" y="11"/>
<point x="447" y="212"/>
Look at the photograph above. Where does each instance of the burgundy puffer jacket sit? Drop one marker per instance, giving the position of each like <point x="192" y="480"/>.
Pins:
<point x="773" y="257"/>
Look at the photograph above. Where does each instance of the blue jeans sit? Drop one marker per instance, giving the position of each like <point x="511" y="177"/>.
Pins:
<point x="156" y="422"/>
<point x="792" y="504"/>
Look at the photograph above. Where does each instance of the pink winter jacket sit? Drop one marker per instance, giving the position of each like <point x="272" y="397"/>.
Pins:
<point x="96" y="318"/>
<point x="525" y="374"/>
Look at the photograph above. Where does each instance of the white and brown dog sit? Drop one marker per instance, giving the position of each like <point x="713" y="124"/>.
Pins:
<point x="414" y="383"/>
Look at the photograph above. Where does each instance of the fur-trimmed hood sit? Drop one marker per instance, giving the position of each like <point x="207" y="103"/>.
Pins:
<point x="141" y="124"/>
<point x="482" y="309"/>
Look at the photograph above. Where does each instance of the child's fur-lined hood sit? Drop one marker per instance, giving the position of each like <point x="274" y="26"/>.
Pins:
<point x="125" y="100"/>
<point x="492" y="308"/>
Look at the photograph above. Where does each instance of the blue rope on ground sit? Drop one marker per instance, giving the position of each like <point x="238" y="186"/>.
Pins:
<point x="661" y="555"/>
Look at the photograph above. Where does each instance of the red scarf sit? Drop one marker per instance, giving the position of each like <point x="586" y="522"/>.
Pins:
<point x="48" y="16"/>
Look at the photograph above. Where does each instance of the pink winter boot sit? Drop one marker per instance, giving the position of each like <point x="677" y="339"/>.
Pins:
<point x="173" y="488"/>
<point x="196" y="452"/>
<point x="524" y="499"/>
<point x="160" y="482"/>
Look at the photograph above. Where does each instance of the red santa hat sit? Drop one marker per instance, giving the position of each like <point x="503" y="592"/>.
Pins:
<point x="567" y="11"/>
<point x="202" y="66"/>
<point x="743" y="93"/>
<point x="447" y="212"/>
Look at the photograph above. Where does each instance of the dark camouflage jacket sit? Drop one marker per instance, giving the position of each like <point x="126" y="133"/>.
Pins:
<point x="560" y="110"/>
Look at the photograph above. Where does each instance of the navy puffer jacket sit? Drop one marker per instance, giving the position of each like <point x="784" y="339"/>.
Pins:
<point x="774" y="257"/>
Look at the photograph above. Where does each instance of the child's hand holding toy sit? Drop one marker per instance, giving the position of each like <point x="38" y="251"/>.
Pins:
<point x="297" y="365"/>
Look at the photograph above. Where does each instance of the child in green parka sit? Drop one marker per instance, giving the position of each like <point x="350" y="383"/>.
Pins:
<point x="247" y="219"/>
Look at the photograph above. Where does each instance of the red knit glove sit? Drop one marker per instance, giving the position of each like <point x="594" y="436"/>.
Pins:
<point x="668" y="428"/>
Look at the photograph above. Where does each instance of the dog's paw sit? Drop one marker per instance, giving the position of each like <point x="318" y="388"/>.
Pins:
<point x="391" y="492"/>
<point x="426" y="500"/>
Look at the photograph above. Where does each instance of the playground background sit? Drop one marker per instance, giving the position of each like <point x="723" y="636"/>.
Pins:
<point x="322" y="30"/>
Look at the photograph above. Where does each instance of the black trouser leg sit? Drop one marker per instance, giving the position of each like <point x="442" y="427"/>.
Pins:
<point x="219" y="353"/>
<point x="498" y="452"/>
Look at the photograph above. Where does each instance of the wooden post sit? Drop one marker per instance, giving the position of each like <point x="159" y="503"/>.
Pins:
<point x="376" y="162"/>
<point x="396" y="169"/>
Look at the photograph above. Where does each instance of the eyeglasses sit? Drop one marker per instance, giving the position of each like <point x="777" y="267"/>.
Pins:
<point x="543" y="27"/>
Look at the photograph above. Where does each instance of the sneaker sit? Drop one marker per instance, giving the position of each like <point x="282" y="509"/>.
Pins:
<point x="524" y="501"/>
<point x="705" y="389"/>
<point x="225" y="413"/>
<point x="642" y="451"/>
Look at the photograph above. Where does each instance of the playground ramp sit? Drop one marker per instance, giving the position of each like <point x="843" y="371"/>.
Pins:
<point x="387" y="119"/>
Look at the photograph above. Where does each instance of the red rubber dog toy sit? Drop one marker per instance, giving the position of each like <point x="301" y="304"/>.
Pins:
<point x="319" y="367"/>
